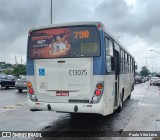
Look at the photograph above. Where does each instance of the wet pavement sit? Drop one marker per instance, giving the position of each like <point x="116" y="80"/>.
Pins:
<point x="147" y="115"/>
<point x="11" y="96"/>
<point x="19" y="118"/>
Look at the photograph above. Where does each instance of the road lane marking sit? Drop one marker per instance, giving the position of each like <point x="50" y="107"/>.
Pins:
<point x="12" y="106"/>
<point x="7" y="106"/>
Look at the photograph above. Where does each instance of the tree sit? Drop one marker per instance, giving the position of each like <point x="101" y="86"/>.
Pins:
<point x="19" y="70"/>
<point x="14" y="69"/>
<point x="8" y="65"/>
<point x="144" y="71"/>
<point x="8" y="72"/>
<point x="4" y="65"/>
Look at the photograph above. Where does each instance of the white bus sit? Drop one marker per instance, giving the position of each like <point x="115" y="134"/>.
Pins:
<point x="78" y="68"/>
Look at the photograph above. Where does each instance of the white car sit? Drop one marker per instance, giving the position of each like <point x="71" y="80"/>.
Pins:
<point x="155" y="81"/>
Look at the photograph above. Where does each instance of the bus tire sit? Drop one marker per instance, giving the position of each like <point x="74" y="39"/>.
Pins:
<point x="129" y="97"/>
<point x="132" y="87"/>
<point x="119" y="109"/>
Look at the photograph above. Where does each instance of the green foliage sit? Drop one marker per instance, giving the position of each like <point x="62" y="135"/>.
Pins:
<point x="8" y="72"/>
<point x="144" y="71"/>
<point x="19" y="70"/>
<point x="4" y="65"/>
<point x="10" y="69"/>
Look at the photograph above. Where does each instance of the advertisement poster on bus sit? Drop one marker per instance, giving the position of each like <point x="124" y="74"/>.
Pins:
<point x="64" y="43"/>
<point x="50" y="43"/>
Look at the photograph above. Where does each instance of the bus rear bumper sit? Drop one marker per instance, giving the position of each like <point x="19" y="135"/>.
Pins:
<point x="67" y="107"/>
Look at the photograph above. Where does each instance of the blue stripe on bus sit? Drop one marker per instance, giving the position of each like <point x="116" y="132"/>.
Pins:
<point x="99" y="67"/>
<point x="30" y="68"/>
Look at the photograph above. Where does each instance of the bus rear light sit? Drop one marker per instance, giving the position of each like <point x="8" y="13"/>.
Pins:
<point x="31" y="91"/>
<point x="29" y="85"/>
<point x="98" y="92"/>
<point x="99" y="25"/>
<point x="99" y="86"/>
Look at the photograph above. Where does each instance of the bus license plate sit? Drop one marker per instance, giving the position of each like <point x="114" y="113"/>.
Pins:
<point x="62" y="93"/>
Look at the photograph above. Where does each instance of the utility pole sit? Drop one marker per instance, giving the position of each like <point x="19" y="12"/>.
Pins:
<point x="21" y="59"/>
<point x="51" y="11"/>
<point x="152" y="62"/>
<point x="16" y="60"/>
<point x="146" y="63"/>
<point x="152" y="68"/>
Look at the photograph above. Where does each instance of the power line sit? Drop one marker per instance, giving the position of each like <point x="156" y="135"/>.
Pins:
<point x="147" y="57"/>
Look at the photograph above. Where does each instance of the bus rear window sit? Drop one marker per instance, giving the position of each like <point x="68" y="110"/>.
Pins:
<point x="70" y="42"/>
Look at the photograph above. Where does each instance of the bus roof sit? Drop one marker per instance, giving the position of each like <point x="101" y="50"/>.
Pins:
<point x="66" y="24"/>
<point x="96" y="23"/>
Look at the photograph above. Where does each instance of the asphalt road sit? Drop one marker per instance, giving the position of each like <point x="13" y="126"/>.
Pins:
<point x="11" y="96"/>
<point x="15" y="115"/>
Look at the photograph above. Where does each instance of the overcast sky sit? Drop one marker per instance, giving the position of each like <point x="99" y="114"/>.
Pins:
<point x="135" y="22"/>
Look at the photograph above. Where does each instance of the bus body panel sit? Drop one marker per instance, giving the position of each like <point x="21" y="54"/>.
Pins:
<point x="77" y="79"/>
<point x="68" y="108"/>
<point x="63" y="75"/>
<point x="104" y="107"/>
<point x="126" y="82"/>
<point x="109" y="93"/>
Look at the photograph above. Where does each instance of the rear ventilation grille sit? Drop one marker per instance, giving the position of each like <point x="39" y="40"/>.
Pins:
<point x="78" y="101"/>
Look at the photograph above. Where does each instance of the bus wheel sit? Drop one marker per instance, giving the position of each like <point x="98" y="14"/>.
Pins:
<point x="120" y="104"/>
<point x="129" y="97"/>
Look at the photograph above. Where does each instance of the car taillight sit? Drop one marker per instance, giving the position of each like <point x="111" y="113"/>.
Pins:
<point x="98" y="92"/>
<point x="25" y="83"/>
